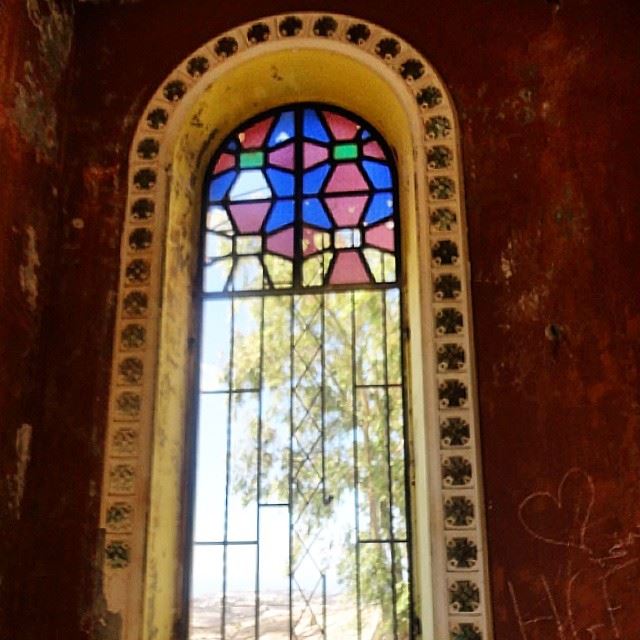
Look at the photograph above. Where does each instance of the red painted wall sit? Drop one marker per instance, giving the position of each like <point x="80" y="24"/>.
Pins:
<point x="547" y="93"/>
<point x="35" y="45"/>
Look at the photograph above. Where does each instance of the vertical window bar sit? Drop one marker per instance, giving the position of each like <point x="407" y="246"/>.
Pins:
<point x="383" y="295"/>
<point x="298" y="255"/>
<point x="326" y="498"/>
<point x="292" y="322"/>
<point x="413" y="623"/>
<point x="324" y="605"/>
<point x="259" y="468"/>
<point x="356" y="478"/>
<point x="223" y="617"/>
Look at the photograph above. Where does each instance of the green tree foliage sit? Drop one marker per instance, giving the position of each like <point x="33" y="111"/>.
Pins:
<point x="331" y="433"/>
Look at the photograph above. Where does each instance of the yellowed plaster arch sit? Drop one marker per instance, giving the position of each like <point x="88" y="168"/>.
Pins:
<point x="144" y="583"/>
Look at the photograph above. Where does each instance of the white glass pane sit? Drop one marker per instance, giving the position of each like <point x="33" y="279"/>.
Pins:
<point x="216" y="344"/>
<point x="247" y="320"/>
<point x="243" y="467"/>
<point x="394" y="343"/>
<point x="240" y="606"/>
<point x="250" y="185"/>
<point x="206" y="593"/>
<point x="216" y="275"/>
<point x="369" y="337"/>
<point x="211" y="471"/>
<point x="274" y="572"/>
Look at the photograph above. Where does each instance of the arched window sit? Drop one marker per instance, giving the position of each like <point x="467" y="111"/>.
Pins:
<point x="295" y="63"/>
<point x="301" y="521"/>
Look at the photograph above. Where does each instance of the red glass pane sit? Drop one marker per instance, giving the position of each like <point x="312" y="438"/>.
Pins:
<point x="373" y="150"/>
<point x="225" y="161"/>
<point x="348" y="268"/>
<point x="314" y="154"/>
<point x="341" y="127"/>
<point x="347" y="177"/>
<point x="254" y="136"/>
<point x="381" y="236"/>
<point x="283" y="157"/>
<point x="347" y="211"/>
<point x="281" y="243"/>
<point x="249" y="216"/>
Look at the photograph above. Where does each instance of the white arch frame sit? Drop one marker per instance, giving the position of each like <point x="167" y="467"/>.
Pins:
<point x="170" y="149"/>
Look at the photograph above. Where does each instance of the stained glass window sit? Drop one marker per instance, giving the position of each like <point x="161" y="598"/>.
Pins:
<point x="300" y="198"/>
<point x="301" y="526"/>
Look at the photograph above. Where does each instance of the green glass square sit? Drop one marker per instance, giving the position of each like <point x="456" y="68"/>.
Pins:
<point x="251" y="159"/>
<point x="345" y="151"/>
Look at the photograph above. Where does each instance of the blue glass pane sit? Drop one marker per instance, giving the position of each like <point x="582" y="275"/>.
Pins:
<point x="232" y="146"/>
<point x="365" y="134"/>
<point x="378" y="173"/>
<point x="313" y="128"/>
<point x="220" y="185"/>
<point x="280" y="216"/>
<point x="281" y="181"/>
<point x="312" y="180"/>
<point x="283" y="130"/>
<point x="380" y="207"/>
<point x="313" y="213"/>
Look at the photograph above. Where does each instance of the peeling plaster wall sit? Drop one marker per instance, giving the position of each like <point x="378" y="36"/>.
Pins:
<point x="35" y="48"/>
<point x="547" y="94"/>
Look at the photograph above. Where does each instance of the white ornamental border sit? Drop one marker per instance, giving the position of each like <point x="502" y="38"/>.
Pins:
<point x="463" y="558"/>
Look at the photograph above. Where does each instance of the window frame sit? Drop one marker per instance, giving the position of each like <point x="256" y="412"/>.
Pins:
<point x="143" y="493"/>
<point x="293" y="291"/>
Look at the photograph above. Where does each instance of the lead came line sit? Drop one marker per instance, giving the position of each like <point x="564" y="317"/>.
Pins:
<point x="297" y="274"/>
<point x="326" y="498"/>
<point x="290" y="478"/>
<point x="259" y="468"/>
<point x="385" y="347"/>
<point x="223" y="617"/>
<point x="414" y="625"/>
<point x="356" y="479"/>
<point x="298" y="186"/>
<point x="252" y="293"/>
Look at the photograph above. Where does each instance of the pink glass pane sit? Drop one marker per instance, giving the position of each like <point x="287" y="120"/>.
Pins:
<point x="282" y="157"/>
<point x="347" y="177"/>
<point x="281" y="243"/>
<point x="254" y="136"/>
<point x="380" y="236"/>
<point x="314" y="154"/>
<point x="225" y="161"/>
<point x="249" y="216"/>
<point x="341" y="127"/>
<point x="373" y="150"/>
<point x="348" y="268"/>
<point x="312" y="241"/>
<point x="347" y="211"/>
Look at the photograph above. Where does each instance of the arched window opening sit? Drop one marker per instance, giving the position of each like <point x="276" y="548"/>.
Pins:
<point x="145" y="532"/>
<point x="301" y="524"/>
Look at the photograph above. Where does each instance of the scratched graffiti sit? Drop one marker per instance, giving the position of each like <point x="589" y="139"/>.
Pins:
<point x="593" y="591"/>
